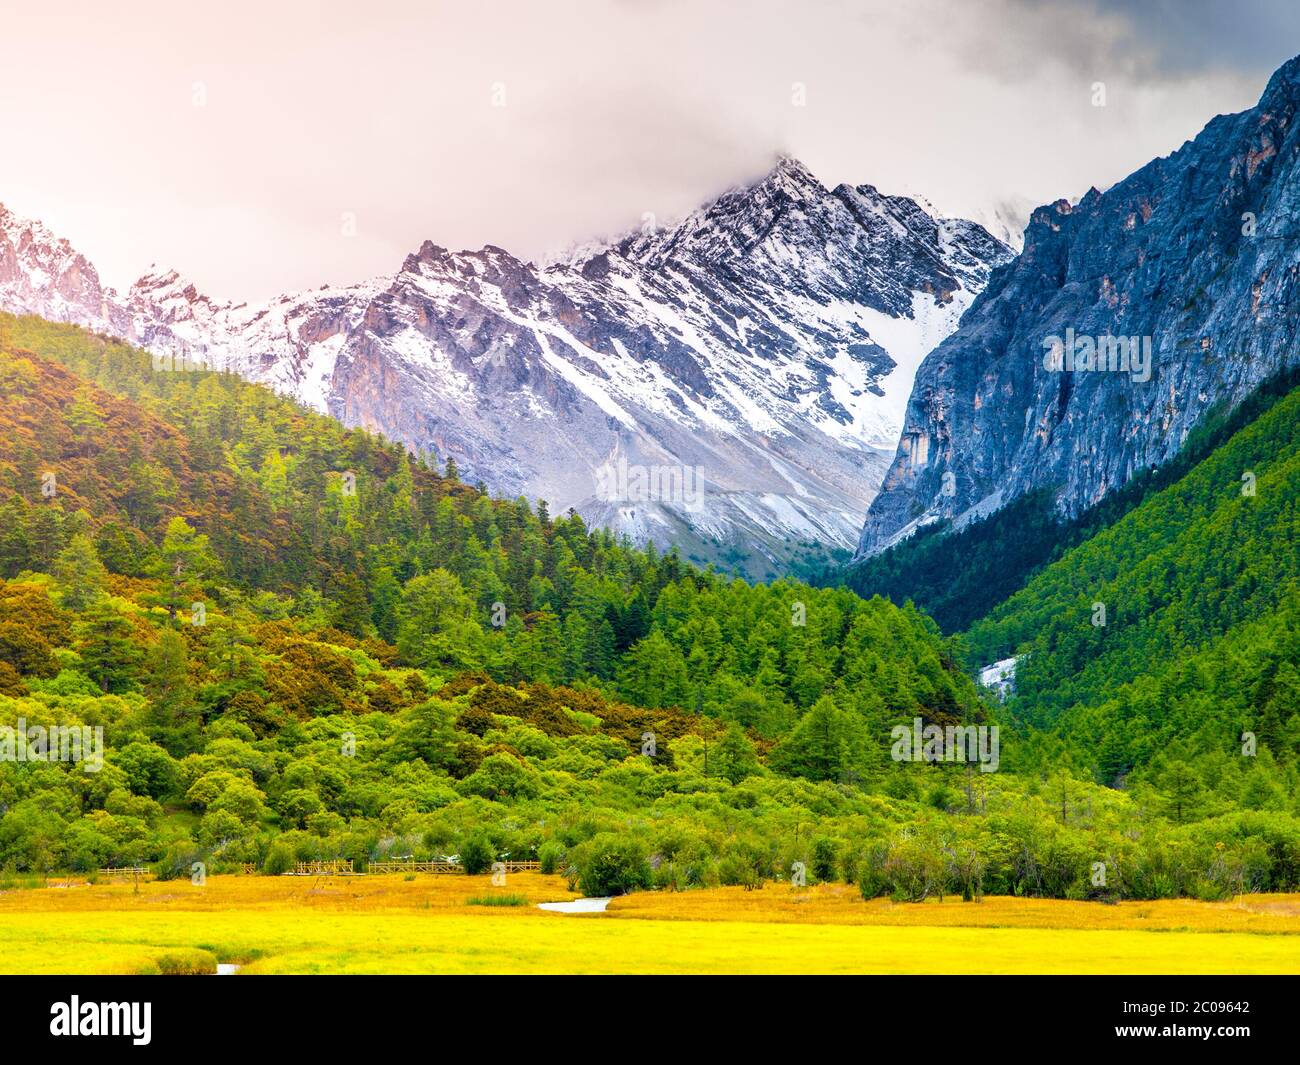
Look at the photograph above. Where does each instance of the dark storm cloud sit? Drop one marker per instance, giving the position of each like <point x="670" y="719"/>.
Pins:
<point x="1178" y="38"/>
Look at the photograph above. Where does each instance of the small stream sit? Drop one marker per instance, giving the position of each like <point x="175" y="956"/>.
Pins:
<point x="576" y="906"/>
<point x="227" y="968"/>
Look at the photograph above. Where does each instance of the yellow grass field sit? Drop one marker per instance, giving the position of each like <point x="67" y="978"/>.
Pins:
<point x="387" y="924"/>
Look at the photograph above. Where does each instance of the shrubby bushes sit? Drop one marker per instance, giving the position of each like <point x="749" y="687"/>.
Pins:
<point x="477" y="854"/>
<point x="610" y="864"/>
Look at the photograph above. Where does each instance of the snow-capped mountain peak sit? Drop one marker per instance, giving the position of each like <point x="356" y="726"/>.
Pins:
<point x="766" y="343"/>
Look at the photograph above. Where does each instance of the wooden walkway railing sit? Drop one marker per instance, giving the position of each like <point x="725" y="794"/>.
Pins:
<point x="523" y="867"/>
<point x="415" y="867"/>
<point x="343" y="867"/>
<point x="339" y="867"/>
<point x="332" y="867"/>
<point x="129" y="872"/>
<point x="446" y="867"/>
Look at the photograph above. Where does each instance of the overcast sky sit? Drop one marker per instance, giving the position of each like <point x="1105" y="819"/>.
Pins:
<point x="230" y="141"/>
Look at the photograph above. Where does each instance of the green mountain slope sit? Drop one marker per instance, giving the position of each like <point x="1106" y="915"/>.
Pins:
<point x="1172" y="630"/>
<point x="300" y="642"/>
<point x="960" y="577"/>
<point x="293" y="504"/>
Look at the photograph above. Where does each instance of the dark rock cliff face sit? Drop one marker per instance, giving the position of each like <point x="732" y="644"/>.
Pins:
<point x="1195" y="255"/>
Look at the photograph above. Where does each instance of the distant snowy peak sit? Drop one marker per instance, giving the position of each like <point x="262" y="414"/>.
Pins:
<point x="289" y="343"/>
<point x="768" y="339"/>
<point x="43" y="274"/>
<point x="1006" y="220"/>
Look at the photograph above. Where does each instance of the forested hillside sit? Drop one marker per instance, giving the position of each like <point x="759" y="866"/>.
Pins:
<point x="1165" y="637"/>
<point x="302" y="642"/>
<point x="340" y="528"/>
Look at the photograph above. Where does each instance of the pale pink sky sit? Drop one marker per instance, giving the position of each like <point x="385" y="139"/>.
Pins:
<point x="228" y="141"/>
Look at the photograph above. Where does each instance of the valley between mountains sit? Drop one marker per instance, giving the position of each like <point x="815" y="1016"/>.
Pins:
<point x="383" y="580"/>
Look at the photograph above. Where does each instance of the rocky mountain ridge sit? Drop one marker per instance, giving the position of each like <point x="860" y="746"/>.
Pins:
<point x="761" y="348"/>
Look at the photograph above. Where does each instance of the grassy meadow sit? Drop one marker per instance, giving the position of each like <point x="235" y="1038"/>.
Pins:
<point x="445" y="924"/>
